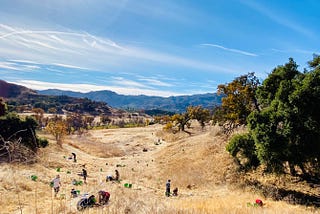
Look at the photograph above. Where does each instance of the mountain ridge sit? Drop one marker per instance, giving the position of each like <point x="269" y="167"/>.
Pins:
<point x="143" y="102"/>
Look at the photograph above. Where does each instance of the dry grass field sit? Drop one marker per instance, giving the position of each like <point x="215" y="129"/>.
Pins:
<point x="145" y="157"/>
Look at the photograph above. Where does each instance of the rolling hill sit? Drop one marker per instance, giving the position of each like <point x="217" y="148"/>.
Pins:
<point x="143" y="102"/>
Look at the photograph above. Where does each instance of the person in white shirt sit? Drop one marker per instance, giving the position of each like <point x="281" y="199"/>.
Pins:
<point x="56" y="185"/>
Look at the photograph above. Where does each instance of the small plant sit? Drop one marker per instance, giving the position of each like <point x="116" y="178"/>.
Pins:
<point x="34" y="177"/>
<point x="77" y="183"/>
<point x="58" y="169"/>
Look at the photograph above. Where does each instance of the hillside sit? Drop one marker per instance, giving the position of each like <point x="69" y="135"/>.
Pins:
<point x="171" y="104"/>
<point x="22" y="99"/>
<point x="146" y="157"/>
<point x="9" y="90"/>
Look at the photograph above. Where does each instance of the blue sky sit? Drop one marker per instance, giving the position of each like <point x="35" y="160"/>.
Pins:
<point x="152" y="47"/>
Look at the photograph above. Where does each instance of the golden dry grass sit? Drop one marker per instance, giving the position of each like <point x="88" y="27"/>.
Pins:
<point x="197" y="164"/>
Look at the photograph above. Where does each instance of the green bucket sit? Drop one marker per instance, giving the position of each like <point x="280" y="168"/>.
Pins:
<point x="127" y="185"/>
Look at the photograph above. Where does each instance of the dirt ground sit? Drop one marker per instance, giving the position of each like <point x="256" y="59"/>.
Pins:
<point x="145" y="157"/>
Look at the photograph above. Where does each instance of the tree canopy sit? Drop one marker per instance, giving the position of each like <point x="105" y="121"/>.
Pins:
<point x="238" y="101"/>
<point x="286" y="127"/>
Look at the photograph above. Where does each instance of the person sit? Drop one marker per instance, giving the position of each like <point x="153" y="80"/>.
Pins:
<point x="109" y="178"/>
<point x="74" y="193"/>
<point x="117" y="175"/>
<point x="103" y="197"/>
<point x="92" y="200"/>
<point x="56" y="185"/>
<point x="74" y="157"/>
<point x="85" y="175"/>
<point x="84" y="203"/>
<point x="175" y="191"/>
<point x="168" y="184"/>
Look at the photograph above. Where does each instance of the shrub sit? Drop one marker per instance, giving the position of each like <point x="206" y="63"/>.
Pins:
<point x="242" y="148"/>
<point x="43" y="142"/>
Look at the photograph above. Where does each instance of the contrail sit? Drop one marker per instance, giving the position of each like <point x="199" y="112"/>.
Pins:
<point x="231" y="49"/>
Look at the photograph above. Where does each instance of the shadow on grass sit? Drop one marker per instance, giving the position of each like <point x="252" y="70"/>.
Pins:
<point x="290" y="196"/>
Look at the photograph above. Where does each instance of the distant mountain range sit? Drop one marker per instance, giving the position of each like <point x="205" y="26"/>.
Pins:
<point x="20" y="95"/>
<point x="143" y="102"/>
<point x="22" y="99"/>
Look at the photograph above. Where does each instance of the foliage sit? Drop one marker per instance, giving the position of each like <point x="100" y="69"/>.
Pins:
<point x="242" y="148"/>
<point x="14" y="128"/>
<point x="168" y="126"/>
<point x="286" y="130"/>
<point x="58" y="128"/>
<point x="181" y="120"/>
<point x="3" y="107"/>
<point x="43" y="142"/>
<point x="202" y="115"/>
<point x="239" y="99"/>
<point x="18" y="139"/>
<point x="58" y="104"/>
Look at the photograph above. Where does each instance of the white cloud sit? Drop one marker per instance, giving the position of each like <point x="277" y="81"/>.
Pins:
<point x="127" y="83"/>
<point x="82" y="50"/>
<point x="17" y="66"/>
<point x="10" y="66"/>
<point x="231" y="50"/>
<point x="69" y="66"/>
<point x="155" y="82"/>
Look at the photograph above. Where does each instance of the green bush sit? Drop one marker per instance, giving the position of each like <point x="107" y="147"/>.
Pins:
<point x="242" y="148"/>
<point x="43" y="142"/>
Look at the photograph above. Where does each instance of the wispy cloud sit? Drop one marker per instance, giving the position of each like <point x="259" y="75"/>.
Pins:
<point x="39" y="85"/>
<point x="69" y="66"/>
<point x="10" y="66"/>
<point x="155" y="82"/>
<point x="82" y="50"/>
<point x="17" y="66"/>
<point x="127" y="83"/>
<point x="230" y="49"/>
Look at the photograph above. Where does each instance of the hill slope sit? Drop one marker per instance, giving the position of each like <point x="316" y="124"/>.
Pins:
<point x="145" y="157"/>
<point x="20" y="99"/>
<point x="9" y="90"/>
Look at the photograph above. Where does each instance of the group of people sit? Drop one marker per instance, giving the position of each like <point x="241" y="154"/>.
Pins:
<point x="113" y="178"/>
<point x="104" y="196"/>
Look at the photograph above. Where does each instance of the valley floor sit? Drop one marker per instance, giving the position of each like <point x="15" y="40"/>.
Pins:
<point x="145" y="157"/>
